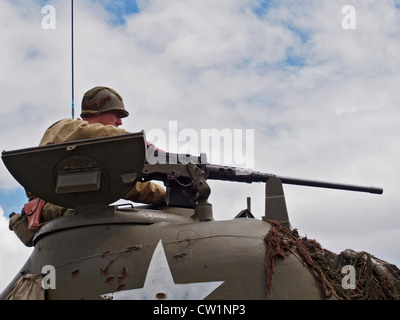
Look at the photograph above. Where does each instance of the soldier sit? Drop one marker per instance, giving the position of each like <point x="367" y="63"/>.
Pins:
<point x="102" y="113"/>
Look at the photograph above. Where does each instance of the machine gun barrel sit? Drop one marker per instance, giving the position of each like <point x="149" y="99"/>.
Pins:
<point x="216" y="172"/>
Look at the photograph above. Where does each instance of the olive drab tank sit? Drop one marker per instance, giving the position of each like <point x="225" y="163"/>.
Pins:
<point x="176" y="251"/>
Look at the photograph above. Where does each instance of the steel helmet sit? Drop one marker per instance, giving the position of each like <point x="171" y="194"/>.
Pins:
<point x="102" y="99"/>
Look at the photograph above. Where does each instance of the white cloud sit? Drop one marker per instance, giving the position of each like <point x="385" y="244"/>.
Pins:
<point x="332" y="114"/>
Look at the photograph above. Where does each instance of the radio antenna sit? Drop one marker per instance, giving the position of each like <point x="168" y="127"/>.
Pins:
<point x="72" y="53"/>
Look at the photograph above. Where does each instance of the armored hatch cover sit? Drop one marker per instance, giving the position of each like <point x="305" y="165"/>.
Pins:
<point x="80" y="174"/>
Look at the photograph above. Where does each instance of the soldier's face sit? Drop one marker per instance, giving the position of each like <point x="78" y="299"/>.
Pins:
<point x="106" y="118"/>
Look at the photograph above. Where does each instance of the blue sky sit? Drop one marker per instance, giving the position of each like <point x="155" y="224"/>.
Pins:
<point x="322" y="101"/>
<point x="118" y="10"/>
<point x="13" y="200"/>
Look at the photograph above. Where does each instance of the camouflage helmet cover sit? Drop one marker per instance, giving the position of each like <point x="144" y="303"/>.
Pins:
<point x="102" y="99"/>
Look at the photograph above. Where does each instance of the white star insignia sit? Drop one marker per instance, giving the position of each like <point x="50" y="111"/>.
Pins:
<point x="159" y="284"/>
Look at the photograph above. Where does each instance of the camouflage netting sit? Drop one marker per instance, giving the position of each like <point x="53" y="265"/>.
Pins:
<point x="375" y="278"/>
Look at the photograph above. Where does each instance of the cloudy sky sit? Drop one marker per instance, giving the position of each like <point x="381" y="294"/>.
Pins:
<point x="312" y="85"/>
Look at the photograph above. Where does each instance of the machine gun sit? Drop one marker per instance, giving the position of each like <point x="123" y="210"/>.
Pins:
<point x="185" y="178"/>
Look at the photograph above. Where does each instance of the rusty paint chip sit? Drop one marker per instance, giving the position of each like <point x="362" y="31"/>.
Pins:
<point x="75" y="273"/>
<point x="124" y="274"/>
<point x="161" y="295"/>
<point x="178" y="257"/>
<point x="104" y="272"/>
<point x="120" y="287"/>
<point x="109" y="280"/>
<point x="105" y="253"/>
